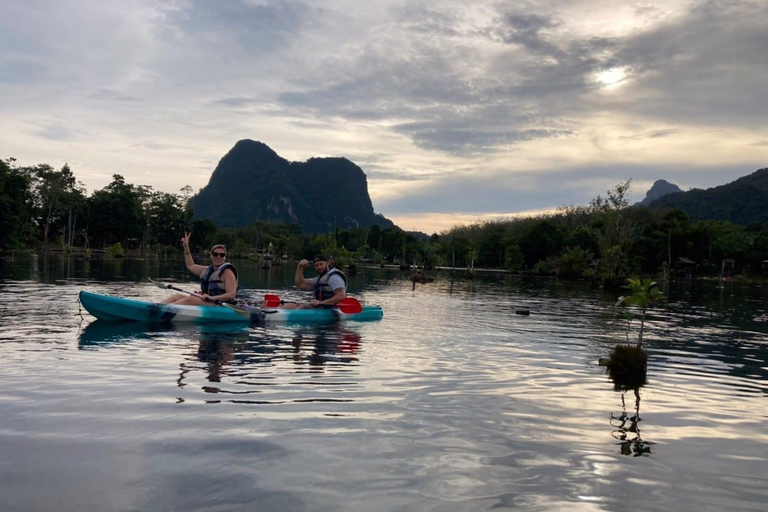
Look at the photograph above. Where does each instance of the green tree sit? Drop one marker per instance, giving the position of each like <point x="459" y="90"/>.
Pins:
<point x="677" y="225"/>
<point x="17" y="229"/>
<point x="513" y="257"/>
<point x="205" y="234"/>
<point x="543" y="241"/>
<point x="166" y="218"/>
<point x="574" y="263"/>
<point x="59" y="194"/>
<point x="116" y="212"/>
<point x="614" y="228"/>
<point x="390" y="243"/>
<point x="492" y="245"/>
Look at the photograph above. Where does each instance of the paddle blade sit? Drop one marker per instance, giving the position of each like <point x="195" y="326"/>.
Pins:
<point x="349" y="306"/>
<point x="272" y="301"/>
<point x="160" y="285"/>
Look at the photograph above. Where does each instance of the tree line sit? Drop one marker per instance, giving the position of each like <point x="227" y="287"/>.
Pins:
<point x="43" y="206"/>
<point x="605" y="240"/>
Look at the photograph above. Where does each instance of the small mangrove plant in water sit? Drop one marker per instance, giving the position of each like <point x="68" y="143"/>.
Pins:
<point x="628" y="364"/>
<point x="642" y="293"/>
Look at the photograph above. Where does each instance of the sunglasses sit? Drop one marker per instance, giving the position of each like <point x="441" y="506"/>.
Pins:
<point x="218" y="254"/>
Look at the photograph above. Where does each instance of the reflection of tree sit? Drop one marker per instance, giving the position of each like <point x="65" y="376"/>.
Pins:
<point x="628" y="429"/>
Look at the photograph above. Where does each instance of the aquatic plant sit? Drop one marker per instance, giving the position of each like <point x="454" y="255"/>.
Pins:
<point x="627" y="364"/>
<point x="642" y="293"/>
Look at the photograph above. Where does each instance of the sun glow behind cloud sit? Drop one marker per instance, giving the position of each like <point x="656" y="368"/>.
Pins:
<point x="611" y="77"/>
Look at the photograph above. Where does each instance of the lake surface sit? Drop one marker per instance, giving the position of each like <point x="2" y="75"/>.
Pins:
<point x="451" y="403"/>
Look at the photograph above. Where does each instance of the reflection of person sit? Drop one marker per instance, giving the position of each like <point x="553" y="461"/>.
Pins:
<point x="218" y="280"/>
<point x="330" y="285"/>
<point x="324" y="344"/>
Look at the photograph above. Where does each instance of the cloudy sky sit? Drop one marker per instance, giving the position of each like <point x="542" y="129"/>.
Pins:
<point x="455" y="110"/>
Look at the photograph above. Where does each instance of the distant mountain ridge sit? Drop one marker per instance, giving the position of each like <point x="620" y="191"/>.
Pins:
<point x="252" y="182"/>
<point x="744" y="201"/>
<point x="659" y="189"/>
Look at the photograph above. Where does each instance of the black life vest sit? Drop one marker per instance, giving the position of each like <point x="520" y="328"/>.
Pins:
<point x="323" y="289"/>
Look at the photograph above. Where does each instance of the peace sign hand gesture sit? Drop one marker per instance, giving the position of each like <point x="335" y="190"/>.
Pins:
<point x="185" y="239"/>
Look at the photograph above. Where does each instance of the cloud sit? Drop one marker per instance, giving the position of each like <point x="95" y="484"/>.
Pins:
<point x="709" y="67"/>
<point x="526" y="30"/>
<point x="466" y="141"/>
<point x="237" y="102"/>
<point x="238" y="24"/>
<point x="481" y="107"/>
<point x="384" y="174"/>
<point x="455" y="97"/>
<point x="57" y="132"/>
<point x="154" y="146"/>
<point x="540" y="82"/>
<point x="653" y="134"/>
<point x="19" y="71"/>
<point x="534" y="190"/>
<point x="110" y="95"/>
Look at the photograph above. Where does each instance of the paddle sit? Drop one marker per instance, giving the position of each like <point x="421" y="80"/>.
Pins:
<point x="348" y="305"/>
<point x="237" y="309"/>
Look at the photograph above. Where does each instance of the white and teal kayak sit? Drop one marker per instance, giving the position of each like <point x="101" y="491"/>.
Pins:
<point x="117" y="309"/>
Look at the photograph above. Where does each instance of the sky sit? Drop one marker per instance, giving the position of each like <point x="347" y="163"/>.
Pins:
<point x="456" y="111"/>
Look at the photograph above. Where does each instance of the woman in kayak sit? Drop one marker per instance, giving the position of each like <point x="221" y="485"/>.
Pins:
<point x="218" y="280"/>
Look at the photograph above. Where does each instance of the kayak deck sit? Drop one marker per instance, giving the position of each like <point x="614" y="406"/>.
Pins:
<point x="117" y="309"/>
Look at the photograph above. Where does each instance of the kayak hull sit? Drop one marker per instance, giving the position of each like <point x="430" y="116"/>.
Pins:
<point x="118" y="309"/>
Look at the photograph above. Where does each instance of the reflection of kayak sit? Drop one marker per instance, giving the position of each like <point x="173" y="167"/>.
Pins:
<point x="116" y="309"/>
<point x="103" y="332"/>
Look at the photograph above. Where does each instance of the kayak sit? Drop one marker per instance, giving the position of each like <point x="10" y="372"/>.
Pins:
<point x="117" y="309"/>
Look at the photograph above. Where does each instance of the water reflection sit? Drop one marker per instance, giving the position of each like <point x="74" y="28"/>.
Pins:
<point x="325" y="345"/>
<point x="243" y="360"/>
<point x="260" y="362"/>
<point x="100" y="333"/>
<point x="627" y="429"/>
<point x="453" y="402"/>
<point x="218" y="350"/>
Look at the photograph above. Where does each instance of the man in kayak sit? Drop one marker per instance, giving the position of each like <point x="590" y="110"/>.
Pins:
<point x="330" y="285"/>
<point x="218" y="280"/>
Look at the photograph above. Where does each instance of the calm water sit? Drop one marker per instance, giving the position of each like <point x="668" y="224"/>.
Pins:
<point x="451" y="403"/>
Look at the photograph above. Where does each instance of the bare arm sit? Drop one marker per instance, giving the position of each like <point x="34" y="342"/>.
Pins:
<point x="298" y="278"/>
<point x="191" y="265"/>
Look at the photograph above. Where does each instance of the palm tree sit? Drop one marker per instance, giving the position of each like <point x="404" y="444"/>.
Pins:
<point x="642" y="292"/>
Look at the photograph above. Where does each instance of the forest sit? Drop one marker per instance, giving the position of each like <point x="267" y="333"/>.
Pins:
<point x="605" y="241"/>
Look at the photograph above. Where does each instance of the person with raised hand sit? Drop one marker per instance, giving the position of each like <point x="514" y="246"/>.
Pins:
<point x="330" y="285"/>
<point x="217" y="281"/>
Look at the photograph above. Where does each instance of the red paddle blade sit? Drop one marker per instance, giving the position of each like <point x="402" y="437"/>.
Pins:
<point x="271" y="300"/>
<point x="349" y="306"/>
